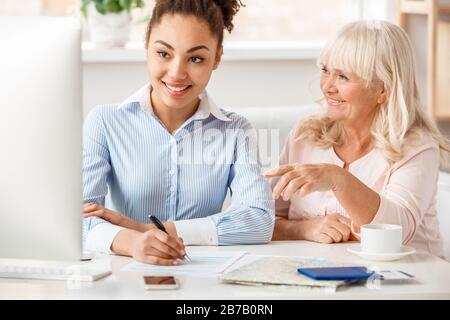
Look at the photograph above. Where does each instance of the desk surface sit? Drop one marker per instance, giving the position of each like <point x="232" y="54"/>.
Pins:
<point x="432" y="279"/>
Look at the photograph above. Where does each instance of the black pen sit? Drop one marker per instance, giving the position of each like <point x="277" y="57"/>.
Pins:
<point x="161" y="227"/>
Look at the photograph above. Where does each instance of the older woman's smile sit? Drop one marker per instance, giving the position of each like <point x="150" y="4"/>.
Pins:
<point x="334" y="102"/>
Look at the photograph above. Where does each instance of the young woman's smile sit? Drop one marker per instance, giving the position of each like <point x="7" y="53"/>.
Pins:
<point x="177" y="89"/>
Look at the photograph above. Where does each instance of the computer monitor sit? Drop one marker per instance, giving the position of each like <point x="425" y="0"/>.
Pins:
<point x="40" y="138"/>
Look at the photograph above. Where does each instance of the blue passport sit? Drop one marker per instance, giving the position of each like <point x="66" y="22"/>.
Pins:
<point x="336" y="273"/>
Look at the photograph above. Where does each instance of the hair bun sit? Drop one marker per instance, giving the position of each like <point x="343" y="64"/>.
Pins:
<point x="229" y="9"/>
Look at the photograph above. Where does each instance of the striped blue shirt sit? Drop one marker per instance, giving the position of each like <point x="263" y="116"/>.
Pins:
<point x="182" y="177"/>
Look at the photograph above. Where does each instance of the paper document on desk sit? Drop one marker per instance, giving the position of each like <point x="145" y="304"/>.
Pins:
<point x="202" y="263"/>
<point x="270" y="270"/>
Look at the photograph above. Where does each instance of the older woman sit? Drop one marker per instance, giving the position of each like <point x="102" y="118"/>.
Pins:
<point x="373" y="157"/>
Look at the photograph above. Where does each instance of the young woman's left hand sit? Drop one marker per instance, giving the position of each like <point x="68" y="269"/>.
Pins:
<point x="96" y="210"/>
<point x="304" y="179"/>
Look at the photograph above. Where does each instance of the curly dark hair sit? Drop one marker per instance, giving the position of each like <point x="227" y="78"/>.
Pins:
<point x="217" y="13"/>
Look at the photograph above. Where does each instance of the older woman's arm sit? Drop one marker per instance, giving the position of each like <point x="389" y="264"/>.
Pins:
<point x="410" y="190"/>
<point x="360" y="201"/>
<point x="408" y="193"/>
<point x="404" y="201"/>
<point x="327" y="229"/>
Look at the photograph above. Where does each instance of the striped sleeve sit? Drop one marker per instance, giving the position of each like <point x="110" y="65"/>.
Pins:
<point x="282" y="206"/>
<point x="250" y="218"/>
<point x="96" y="164"/>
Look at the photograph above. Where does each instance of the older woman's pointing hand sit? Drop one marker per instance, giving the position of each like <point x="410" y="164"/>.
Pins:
<point x="304" y="179"/>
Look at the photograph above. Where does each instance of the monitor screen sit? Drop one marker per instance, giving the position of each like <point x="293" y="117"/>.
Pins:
<point x="40" y="138"/>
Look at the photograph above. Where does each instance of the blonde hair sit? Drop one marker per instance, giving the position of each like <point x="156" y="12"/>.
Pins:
<point x="376" y="51"/>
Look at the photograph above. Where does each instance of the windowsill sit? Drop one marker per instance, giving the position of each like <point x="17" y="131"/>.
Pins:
<point x="233" y="51"/>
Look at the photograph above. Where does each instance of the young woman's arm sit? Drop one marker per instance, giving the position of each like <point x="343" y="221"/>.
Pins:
<point x="109" y="231"/>
<point x="98" y="233"/>
<point x="250" y="217"/>
<point x="153" y="246"/>
<point x="95" y="210"/>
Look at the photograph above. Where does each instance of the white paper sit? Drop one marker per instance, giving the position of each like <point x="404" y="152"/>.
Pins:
<point x="202" y="263"/>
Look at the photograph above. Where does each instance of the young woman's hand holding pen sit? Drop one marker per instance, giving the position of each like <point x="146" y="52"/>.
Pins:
<point x="157" y="247"/>
<point x="144" y="242"/>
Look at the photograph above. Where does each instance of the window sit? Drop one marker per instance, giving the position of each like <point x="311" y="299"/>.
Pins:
<point x="292" y="20"/>
<point x="284" y="20"/>
<point x="260" y="20"/>
<point x="24" y="7"/>
<point x="39" y="7"/>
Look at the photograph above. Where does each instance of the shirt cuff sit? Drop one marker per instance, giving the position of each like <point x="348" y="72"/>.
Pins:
<point x="100" y="238"/>
<point x="200" y="231"/>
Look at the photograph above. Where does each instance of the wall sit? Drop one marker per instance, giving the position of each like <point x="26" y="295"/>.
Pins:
<point x="235" y="84"/>
<point x="417" y="30"/>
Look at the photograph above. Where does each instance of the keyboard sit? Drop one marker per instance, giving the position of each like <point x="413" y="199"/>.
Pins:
<point x="54" y="271"/>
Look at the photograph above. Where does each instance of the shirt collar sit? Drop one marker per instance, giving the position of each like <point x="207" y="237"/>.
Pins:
<point x="206" y="107"/>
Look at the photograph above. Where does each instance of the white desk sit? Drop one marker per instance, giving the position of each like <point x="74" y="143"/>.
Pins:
<point x="431" y="273"/>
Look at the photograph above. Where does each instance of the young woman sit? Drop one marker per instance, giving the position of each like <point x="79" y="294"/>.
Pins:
<point x="169" y="151"/>
<point x="373" y="156"/>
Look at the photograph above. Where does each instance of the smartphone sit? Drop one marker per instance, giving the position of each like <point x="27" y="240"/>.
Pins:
<point x="160" y="282"/>
<point x="336" y="273"/>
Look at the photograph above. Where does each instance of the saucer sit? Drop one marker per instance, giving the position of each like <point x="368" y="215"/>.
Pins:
<point x="406" y="251"/>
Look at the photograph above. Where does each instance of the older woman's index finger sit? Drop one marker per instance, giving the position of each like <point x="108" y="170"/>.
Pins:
<point x="276" y="172"/>
<point x="282" y="183"/>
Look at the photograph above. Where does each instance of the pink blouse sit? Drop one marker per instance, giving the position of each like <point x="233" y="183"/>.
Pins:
<point x="407" y="189"/>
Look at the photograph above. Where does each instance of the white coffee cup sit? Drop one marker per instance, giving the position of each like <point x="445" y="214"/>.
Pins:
<point x="381" y="238"/>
